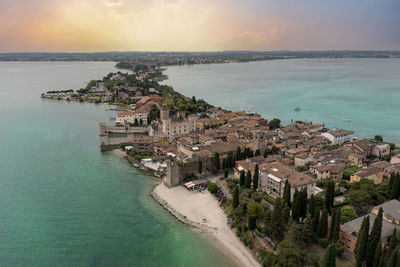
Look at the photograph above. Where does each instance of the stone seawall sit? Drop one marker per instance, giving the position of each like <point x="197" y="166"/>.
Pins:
<point x="178" y="215"/>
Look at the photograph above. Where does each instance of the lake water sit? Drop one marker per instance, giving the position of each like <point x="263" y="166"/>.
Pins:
<point x="329" y="91"/>
<point x="62" y="201"/>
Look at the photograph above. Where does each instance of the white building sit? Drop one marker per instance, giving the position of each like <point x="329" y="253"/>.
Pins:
<point x="339" y="136"/>
<point x="128" y="117"/>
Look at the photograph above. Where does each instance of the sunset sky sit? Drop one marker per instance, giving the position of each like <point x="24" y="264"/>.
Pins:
<point x="198" y="25"/>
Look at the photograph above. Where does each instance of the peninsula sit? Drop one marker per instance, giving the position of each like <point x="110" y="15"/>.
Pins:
<point x="299" y="194"/>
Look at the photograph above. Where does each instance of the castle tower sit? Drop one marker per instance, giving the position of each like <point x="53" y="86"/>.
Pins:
<point x="164" y="112"/>
<point x="259" y="142"/>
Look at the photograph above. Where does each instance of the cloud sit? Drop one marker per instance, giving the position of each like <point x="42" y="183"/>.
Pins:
<point x="194" y="25"/>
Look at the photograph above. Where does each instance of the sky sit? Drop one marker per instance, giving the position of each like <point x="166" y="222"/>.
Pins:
<point x="198" y="25"/>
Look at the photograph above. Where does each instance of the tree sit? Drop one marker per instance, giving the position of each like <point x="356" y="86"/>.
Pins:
<point x="213" y="188"/>
<point x="362" y="240"/>
<point x="274" y="123"/>
<point x="257" y="153"/>
<point x="348" y="214"/>
<point x="392" y="177"/>
<point x="247" y="181"/>
<point x="378" y="138"/>
<point x="329" y="195"/>
<point x="394" y="258"/>
<point x="226" y="172"/>
<point x="200" y="166"/>
<point x="289" y="255"/>
<point x="316" y="220"/>
<point x="336" y="230"/>
<point x="286" y="193"/>
<point x="140" y="122"/>
<point x="323" y="224"/>
<point x="332" y="225"/>
<point x="377" y="254"/>
<point x="251" y="222"/>
<point x="242" y="178"/>
<point x="311" y="206"/>
<point x="255" y="178"/>
<point x="308" y="228"/>
<point x="235" y="202"/>
<point x="136" y="123"/>
<point x="373" y="239"/>
<point x="277" y="226"/>
<point x="329" y="257"/>
<point x="216" y="161"/>
<point x="256" y="210"/>
<point x="224" y="163"/>
<point x="238" y="153"/>
<point x="303" y="210"/>
<point x="393" y="242"/>
<point x="296" y="208"/>
<point x="395" y="191"/>
<point x="267" y="222"/>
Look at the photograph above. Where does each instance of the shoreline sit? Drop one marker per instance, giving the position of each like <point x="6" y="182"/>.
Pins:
<point x="189" y="207"/>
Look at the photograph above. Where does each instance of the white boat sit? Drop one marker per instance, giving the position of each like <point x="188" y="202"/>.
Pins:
<point x="347" y="120"/>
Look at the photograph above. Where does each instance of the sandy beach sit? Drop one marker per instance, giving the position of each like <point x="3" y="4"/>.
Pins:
<point x="201" y="210"/>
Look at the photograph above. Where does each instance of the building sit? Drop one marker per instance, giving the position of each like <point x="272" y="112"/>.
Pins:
<point x="152" y="98"/>
<point x="371" y="173"/>
<point x="303" y="159"/>
<point x="170" y="126"/>
<point x="339" y="136"/>
<point x="274" y="175"/>
<point x="329" y="171"/>
<point x="391" y="220"/>
<point x="129" y="117"/>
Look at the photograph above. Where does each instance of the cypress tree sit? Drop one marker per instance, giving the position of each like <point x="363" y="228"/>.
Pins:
<point x="235" y="202"/>
<point x="286" y="213"/>
<point x="265" y="153"/>
<point x="216" y="161"/>
<point x="247" y="181"/>
<point x="226" y="172"/>
<point x="382" y="260"/>
<point x="296" y="207"/>
<point x="377" y="254"/>
<point x="329" y="195"/>
<point x="390" y="185"/>
<point x="311" y="206"/>
<point x="286" y="193"/>
<point x="304" y="203"/>
<point x="332" y="225"/>
<point x="238" y="153"/>
<point x="336" y="230"/>
<point x="277" y="227"/>
<point x="242" y="178"/>
<point x="393" y="242"/>
<point x="394" y="258"/>
<point x="224" y="163"/>
<point x="255" y="178"/>
<point x="316" y="220"/>
<point x="329" y="257"/>
<point x="373" y="239"/>
<point x="200" y="166"/>
<point x="362" y="240"/>
<point x="323" y="224"/>
<point x="257" y="153"/>
<point x="395" y="191"/>
<point x="308" y="228"/>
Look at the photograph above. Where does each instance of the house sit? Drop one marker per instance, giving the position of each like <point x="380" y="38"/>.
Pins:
<point x="395" y="159"/>
<point x="391" y="220"/>
<point x="129" y="117"/>
<point x="331" y="171"/>
<point x="274" y="175"/>
<point x="356" y="159"/>
<point x="152" y="98"/>
<point x="339" y="136"/>
<point x="247" y="165"/>
<point x="381" y="150"/>
<point x="393" y="168"/>
<point x="303" y="159"/>
<point x="371" y="173"/>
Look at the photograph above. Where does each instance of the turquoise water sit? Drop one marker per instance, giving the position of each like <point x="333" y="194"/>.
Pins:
<point x="367" y="91"/>
<point x="62" y="201"/>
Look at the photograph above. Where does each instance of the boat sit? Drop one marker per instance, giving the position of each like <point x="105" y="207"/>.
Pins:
<point x="347" y="120"/>
<point x="297" y="109"/>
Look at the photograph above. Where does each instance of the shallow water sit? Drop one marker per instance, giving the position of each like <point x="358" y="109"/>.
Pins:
<point x="62" y="201"/>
